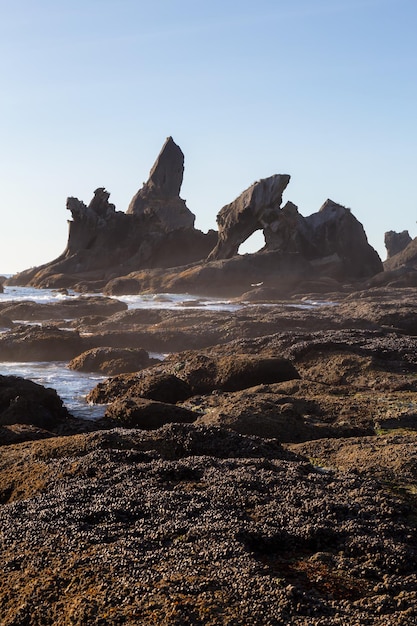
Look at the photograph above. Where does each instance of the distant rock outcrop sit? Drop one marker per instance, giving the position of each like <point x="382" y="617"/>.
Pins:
<point x="396" y="242"/>
<point x="154" y="245"/>
<point x="253" y="210"/>
<point x="156" y="231"/>
<point x="332" y="234"/>
<point x="159" y="198"/>
<point x="406" y="258"/>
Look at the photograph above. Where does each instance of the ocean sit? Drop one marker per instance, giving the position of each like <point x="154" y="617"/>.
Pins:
<point x="73" y="386"/>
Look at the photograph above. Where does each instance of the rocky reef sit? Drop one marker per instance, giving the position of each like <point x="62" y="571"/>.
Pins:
<point x="131" y="252"/>
<point x="263" y="473"/>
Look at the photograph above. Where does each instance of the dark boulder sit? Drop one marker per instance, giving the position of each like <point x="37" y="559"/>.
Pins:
<point x="111" y="361"/>
<point x="243" y="371"/>
<point x="146" y="414"/>
<point x="153" y="385"/>
<point x="25" y="402"/>
<point x="46" y="343"/>
<point x="192" y="373"/>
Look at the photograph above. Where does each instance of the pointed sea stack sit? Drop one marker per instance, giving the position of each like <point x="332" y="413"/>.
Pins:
<point x="159" y="198"/>
<point x="156" y="231"/>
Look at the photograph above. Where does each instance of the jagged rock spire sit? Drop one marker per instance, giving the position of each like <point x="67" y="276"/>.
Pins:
<point x="158" y="201"/>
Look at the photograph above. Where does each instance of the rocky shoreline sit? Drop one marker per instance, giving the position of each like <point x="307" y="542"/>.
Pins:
<point x="263" y="473"/>
<point x="256" y="465"/>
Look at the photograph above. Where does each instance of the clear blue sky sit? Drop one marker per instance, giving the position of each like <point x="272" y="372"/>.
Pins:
<point x="324" y="90"/>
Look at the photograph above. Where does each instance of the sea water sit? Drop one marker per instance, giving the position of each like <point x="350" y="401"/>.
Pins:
<point x="73" y="386"/>
<point x="140" y="301"/>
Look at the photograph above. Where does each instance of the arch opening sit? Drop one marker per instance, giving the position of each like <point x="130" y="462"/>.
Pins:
<point x="254" y="243"/>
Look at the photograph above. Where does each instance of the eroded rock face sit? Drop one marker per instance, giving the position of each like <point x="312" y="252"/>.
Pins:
<point x="108" y="250"/>
<point x="332" y="239"/>
<point x="335" y="230"/>
<point x="396" y="242"/>
<point x="253" y="210"/>
<point x="159" y="198"/>
<point x="156" y="231"/>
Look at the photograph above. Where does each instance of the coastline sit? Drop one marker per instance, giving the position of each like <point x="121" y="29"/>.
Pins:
<point x="289" y="497"/>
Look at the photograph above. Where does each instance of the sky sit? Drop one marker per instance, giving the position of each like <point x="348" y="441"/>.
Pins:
<point x="323" y="90"/>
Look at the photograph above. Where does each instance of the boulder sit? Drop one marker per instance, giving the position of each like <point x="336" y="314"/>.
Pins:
<point x="25" y="402"/>
<point x="46" y="343"/>
<point x="192" y="373"/>
<point x="112" y="361"/>
<point x="146" y="414"/>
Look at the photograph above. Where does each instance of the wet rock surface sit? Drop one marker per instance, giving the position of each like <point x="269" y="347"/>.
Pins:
<point x="46" y="343"/>
<point x="67" y="309"/>
<point x="112" y="361"/>
<point x="25" y="402"/>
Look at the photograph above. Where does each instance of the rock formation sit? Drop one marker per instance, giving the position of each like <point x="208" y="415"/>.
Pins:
<point x="156" y="231"/>
<point x="25" y="402"/>
<point x="116" y="252"/>
<point x="396" y="242"/>
<point x="159" y="199"/>
<point x="404" y="262"/>
<point x="253" y="210"/>
<point x="332" y="237"/>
